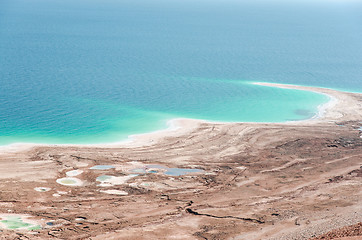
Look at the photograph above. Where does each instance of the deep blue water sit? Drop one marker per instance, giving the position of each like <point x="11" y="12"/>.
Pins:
<point x="92" y="71"/>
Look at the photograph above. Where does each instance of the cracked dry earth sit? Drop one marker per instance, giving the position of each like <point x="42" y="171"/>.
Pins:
<point x="259" y="181"/>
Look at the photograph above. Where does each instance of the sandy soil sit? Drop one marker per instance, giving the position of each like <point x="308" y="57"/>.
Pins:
<point x="294" y="180"/>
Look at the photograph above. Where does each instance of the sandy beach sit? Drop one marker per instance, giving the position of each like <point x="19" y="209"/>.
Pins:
<point x="195" y="180"/>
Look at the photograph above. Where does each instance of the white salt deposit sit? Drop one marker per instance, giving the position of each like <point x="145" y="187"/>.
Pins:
<point x="115" y="192"/>
<point x="70" y="181"/>
<point x="42" y="189"/>
<point x="74" y="173"/>
<point x="107" y="181"/>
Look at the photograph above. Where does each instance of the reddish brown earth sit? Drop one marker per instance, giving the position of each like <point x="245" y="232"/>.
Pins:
<point x="345" y="233"/>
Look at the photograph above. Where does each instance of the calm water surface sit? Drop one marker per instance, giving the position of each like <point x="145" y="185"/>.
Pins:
<point x="97" y="71"/>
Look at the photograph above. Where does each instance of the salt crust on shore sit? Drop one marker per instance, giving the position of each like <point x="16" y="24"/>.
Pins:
<point x="340" y="105"/>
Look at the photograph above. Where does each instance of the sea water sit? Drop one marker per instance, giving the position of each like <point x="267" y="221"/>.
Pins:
<point x="92" y="71"/>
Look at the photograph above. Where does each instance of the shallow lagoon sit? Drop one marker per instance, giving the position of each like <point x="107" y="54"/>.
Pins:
<point x="100" y="77"/>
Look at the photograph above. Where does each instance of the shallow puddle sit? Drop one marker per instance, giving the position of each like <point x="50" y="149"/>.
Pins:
<point x="74" y="173"/>
<point x="156" y="166"/>
<point x="18" y="222"/>
<point x="181" y="171"/>
<point x="107" y="181"/>
<point x="172" y="171"/>
<point x="139" y="170"/>
<point x="70" y="181"/>
<point x="102" y="167"/>
<point x="103" y="178"/>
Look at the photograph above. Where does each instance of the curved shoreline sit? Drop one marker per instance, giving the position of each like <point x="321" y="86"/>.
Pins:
<point x="337" y="108"/>
<point x="297" y="178"/>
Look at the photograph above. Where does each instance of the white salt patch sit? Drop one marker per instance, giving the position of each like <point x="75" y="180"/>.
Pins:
<point x="70" y="181"/>
<point x="56" y="195"/>
<point x="112" y="180"/>
<point x="115" y="192"/>
<point x="241" y="168"/>
<point x="74" y="173"/>
<point x="135" y="185"/>
<point x="210" y="173"/>
<point x="42" y="189"/>
<point x="103" y="184"/>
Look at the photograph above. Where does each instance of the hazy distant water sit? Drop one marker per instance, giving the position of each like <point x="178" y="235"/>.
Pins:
<point x="96" y="71"/>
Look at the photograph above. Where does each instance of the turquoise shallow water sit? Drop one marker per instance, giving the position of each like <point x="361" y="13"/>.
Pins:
<point x="95" y="72"/>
